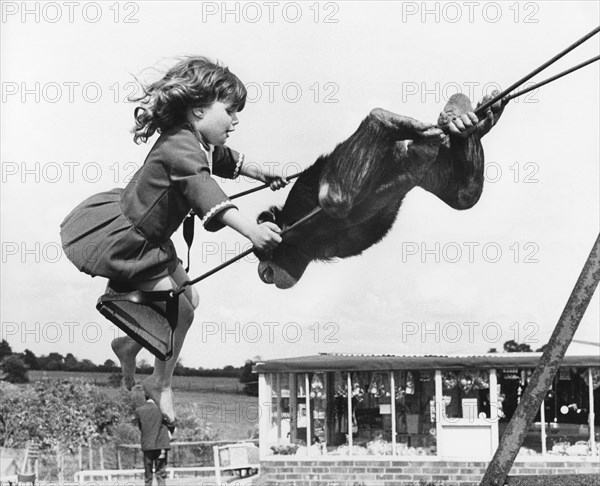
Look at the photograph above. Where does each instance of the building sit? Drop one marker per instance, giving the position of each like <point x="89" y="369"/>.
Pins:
<point x="375" y="418"/>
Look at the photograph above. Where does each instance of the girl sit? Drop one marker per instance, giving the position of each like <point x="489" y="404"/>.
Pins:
<point x="124" y="234"/>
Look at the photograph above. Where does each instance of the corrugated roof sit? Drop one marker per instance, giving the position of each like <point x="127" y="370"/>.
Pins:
<point x="385" y="362"/>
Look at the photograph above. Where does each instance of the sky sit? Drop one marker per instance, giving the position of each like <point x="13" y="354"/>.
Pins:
<point x="442" y="281"/>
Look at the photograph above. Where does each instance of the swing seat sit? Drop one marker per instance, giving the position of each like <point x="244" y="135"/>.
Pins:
<point x="135" y="312"/>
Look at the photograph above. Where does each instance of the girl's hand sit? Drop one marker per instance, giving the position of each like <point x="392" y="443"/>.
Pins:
<point x="276" y="182"/>
<point x="265" y="236"/>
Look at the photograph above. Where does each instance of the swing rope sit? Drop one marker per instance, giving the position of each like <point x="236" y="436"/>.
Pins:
<point x="261" y="187"/>
<point x="241" y="255"/>
<point x="552" y="78"/>
<point x="188" y="223"/>
<point x="483" y="108"/>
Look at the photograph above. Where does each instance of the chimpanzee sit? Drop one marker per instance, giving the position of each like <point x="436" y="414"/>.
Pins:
<point x="361" y="184"/>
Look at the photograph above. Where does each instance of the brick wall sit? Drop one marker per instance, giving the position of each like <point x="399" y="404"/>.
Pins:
<point x="330" y="471"/>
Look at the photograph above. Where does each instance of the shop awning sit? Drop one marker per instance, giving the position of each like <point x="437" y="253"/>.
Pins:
<point x="378" y="362"/>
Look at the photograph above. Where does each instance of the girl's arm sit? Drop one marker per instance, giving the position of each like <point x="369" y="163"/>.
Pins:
<point x="271" y="177"/>
<point x="263" y="236"/>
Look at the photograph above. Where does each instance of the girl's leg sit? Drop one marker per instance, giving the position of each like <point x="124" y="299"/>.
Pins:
<point x="126" y="349"/>
<point x="158" y="386"/>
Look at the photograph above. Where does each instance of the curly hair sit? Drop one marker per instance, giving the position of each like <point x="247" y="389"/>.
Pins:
<point x="194" y="82"/>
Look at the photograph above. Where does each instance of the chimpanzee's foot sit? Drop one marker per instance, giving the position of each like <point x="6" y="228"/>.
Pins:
<point x="333" y="201"/>
<point x="457" y="105"/>
<point x="126" y="350"/>
<point x="162" y="396"/>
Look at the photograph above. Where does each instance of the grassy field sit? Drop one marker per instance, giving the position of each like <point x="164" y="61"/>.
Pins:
<point x="220" y="401"/>
<point x="188" y="383"/>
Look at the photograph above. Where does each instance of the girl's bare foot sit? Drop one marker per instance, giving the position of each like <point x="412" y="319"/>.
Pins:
<point x="162" y="396"/>
<point x="126" y="350"/>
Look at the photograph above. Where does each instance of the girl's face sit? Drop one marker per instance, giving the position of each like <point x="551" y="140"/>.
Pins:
<point x="215" y="122"/>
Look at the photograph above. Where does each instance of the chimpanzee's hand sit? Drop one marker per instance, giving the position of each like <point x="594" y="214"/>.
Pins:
<point x="463" y="125"/>
<point x="432" y="136"/>
<point x="492" y="115"/>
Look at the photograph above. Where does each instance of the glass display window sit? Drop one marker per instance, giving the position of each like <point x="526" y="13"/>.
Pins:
<point x="380" y="413"/>
<point x="466" y="394"/>
<point x="415" y="412"/>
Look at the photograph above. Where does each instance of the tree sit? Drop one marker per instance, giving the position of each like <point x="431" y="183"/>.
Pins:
<point x="14" y="369"/>
<point x="52" y="362"/>
<point x="60" y="415"/>
<point x="249" y="379"/>
<point x="5" y="349"/>
<point x="513" y="346"/>
<point x="144" y="367"/>
<point x="109" y="366"/>
<point x="71" y="363"/>
<point x="31" y="360"/>
<point x="87" y="365"/>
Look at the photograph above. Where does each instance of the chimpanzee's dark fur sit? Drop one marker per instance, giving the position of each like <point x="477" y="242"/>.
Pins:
<point x="361" y="185"/>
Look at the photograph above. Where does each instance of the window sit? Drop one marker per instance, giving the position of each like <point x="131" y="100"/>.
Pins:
<point x="466" y="394"/>
<point x="415" y="412"/>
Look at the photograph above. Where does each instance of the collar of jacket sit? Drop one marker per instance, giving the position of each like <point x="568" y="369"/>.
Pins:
<point x="198" y="137"/>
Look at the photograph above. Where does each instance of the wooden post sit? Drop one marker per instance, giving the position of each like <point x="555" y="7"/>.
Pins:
<point x="546" y="369"/>
<point x="101" y="452"/>
<point x="80" y="457"/>
<point x="119" y="466"/>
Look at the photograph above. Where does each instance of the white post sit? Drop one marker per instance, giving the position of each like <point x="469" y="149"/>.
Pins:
<point x="494" y="416"/>
<point x="327" y="425"/>
<point x="293" y="382"/>
<point x="264" y="406"/>
<point x="393" y="410"/>
<point x="278" y="394"/>
<point x="591" y="414"/>
<point x="218" y="460"/>
<point x="440" y="411"/>
<point x="543" y="420"/>
<point x="349" y="386"/>
<point x="308" y="416"/>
